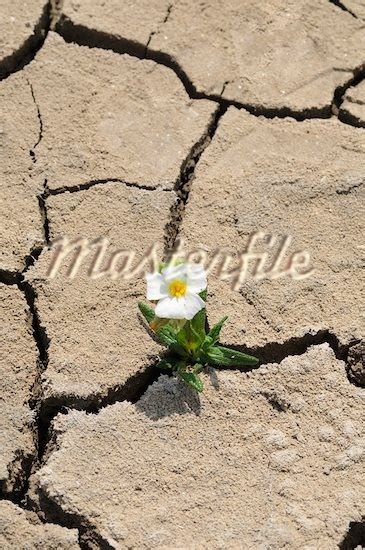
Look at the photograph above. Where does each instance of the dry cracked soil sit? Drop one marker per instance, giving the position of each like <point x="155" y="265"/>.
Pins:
<point x="235" y="129"/>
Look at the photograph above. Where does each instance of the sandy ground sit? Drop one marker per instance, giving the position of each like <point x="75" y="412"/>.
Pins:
<point x="144" y="123"/>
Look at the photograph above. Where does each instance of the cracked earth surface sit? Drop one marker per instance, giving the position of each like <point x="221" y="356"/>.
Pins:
<point x="148" y="122"/>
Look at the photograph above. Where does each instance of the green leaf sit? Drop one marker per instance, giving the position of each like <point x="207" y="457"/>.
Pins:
<point x="164" y="365"/>
<point x="198" y="325"/>
<point x="203" y="295"/>
<point x="168" y="330"/>
<point x="225" y="357"/>
<point x="164" y="335"/>
<point x="191" y="379"/>
<point x="208" y="342"/>
<point x="179" y="350"/>
<point x="198" y="368"/>
<point x="216" y="329"/>
<point x="188" y="338"/>
<point x="147" y="312"/>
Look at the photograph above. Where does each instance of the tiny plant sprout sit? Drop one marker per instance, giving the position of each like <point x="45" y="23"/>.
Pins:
<point x="179" y="323"/>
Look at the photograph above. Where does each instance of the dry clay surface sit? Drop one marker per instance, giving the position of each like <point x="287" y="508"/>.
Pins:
<point x="17" y="531"/>
<point x="134" y="21"/>
<point x="95" y="144"/>
<point x="22" y="24"/>
<point x="97" y="342"/>
<point x="274" y="459"/>
<point x="18" y="371"/>
<point x="273" y="54"/>
<point x="97" y="121"/>
<point x="66" y="121"/>
<point x="283" y="178"/>
<point x="21" y="224"/>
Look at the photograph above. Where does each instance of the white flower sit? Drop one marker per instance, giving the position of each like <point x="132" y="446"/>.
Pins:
<point x="177" y="288"/>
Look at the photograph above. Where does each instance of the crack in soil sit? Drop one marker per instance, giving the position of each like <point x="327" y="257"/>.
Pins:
<point x="138" y="385"/>
<point x="54" y="513"/>
<point x="275" y="352"/>
<point x="358" y="75"/>
<point x="350" y="189"/>
<point x="83" y="36"/>
<point x="40" y="133"/>
<point x="19" y="470"/>
<point x="88" y="534"/>
<point x="355" y="536"/>
<point x="268" y="353"/>
<point x="343" y="7"/>
<point x="131" y="391"/>
<point x="184" y="183"/>
<point x="45" y="193"/>
<point x="9" y="277"/>
<point x="355" y="362"/>
<point x="92" y="183"/>
<point x="166" y="18"/>
<point x="92" y="38"/>
<point x="42" y="197"/>
<point x="41" y="342"/>
<point x="344" y="115"/>
<point x="28" y="461"/>
<point x="28" y="50"/>
<point x="348" y="118"/>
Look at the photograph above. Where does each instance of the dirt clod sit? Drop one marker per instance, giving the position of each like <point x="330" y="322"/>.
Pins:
<point x="176" y="456"/>
<point x="99" y="349"/>
<point x="109" y="116"/>
<point x="301" y="182"/>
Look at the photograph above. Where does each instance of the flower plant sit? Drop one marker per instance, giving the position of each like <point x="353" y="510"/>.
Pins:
<point x="179" y="322"/>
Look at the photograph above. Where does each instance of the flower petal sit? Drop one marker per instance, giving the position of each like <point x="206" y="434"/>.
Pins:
<point x="193" y="304"/>
<point x="172" y="272"/>
<point x="171" y="308"/>
<point x="196" y="278"/>
<point x="156" y="287"/>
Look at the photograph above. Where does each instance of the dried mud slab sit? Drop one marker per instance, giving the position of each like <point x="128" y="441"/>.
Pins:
<point x="129" y="20"/>
<point x="274" y="458"/>
<point x="111" y="116"/>
<point x="18" y="531"/>
<point x="353" y="107"/>
<point x="285" y="55"/>
<point x="22" y="228"/>
<point x="22" y="26"/>
<point x="302" y="180"/>
<point x="98" y="347"/>
<point x="18" y="371"/>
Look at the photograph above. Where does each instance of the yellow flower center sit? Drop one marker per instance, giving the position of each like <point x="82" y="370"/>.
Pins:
<point x="177" y="288"/>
